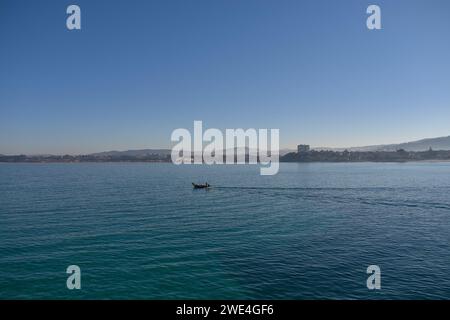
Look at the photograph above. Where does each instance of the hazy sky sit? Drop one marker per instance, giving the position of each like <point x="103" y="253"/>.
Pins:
<point x="140" y="69"/>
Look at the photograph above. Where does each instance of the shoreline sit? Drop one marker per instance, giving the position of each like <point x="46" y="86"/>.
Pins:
<point x="169" y="162"/>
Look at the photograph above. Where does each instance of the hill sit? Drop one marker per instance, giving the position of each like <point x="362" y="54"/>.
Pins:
<point x="441" y="143"/>
<point x="132" y="153"/>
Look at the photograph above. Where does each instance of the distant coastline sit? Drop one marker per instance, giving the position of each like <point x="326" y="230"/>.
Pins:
<point x="367" y="156"/>
<point x="430" y="149"/>
<point x="81" y="158"/>
<point x="309" y="156"/>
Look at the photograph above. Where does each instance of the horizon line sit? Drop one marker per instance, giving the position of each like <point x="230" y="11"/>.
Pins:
<point x="169" y="148"/>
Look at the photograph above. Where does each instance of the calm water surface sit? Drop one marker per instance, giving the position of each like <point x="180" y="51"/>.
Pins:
<point x="140" y="231"/>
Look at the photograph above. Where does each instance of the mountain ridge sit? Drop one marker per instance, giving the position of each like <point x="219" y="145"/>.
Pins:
<point x="132" y="153"/>
<point x="439" y="143"/>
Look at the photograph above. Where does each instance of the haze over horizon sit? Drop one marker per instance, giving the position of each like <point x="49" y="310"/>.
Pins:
<point x="135" y="72"/>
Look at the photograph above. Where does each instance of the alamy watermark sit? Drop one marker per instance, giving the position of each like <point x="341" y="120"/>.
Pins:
<point x="239" y="146"/>
<point x="374" y="280"/>
<point x="373" y="22"/>
<point x="74" y="279"/>
<point x="73" y="21"/>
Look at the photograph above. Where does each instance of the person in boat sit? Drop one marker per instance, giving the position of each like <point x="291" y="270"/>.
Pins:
<point x="200" y="186"/>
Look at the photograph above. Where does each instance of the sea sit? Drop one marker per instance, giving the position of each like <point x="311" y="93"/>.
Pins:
<point x="140" y="231"/>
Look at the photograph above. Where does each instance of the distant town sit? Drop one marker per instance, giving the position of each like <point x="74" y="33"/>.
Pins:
<point x="303" y="154"/>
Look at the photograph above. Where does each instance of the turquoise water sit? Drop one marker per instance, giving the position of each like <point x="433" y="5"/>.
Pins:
<point x="141" y="231"/>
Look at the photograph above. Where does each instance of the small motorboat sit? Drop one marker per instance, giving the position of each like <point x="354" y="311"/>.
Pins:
<point x="200" y="186"/>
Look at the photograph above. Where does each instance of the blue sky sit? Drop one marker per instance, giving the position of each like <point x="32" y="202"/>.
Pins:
<point x="140" y="69"/>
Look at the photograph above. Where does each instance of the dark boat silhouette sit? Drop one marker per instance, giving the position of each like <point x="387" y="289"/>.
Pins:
<point x="200" y="186"/>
